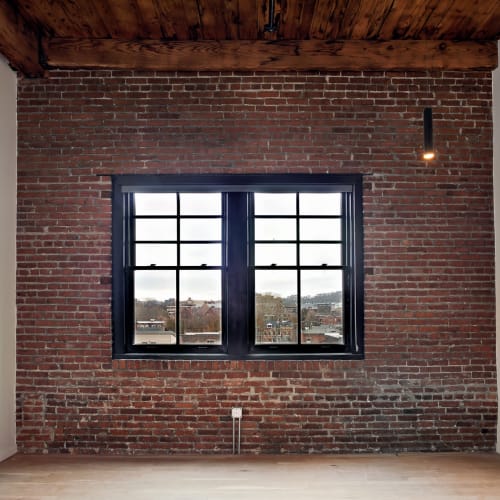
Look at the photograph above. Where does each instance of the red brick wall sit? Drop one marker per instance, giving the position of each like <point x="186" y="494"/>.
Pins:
<point x="428" y="380"/>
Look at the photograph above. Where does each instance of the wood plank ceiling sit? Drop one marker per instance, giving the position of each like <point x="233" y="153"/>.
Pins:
<point x="195" y="35"/>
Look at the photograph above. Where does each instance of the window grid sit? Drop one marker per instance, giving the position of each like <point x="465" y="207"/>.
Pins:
<point x="179" y="242"/>
<point x="298" y="243"/>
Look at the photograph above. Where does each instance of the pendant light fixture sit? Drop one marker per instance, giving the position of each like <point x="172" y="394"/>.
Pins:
<point x="429" y="153"/>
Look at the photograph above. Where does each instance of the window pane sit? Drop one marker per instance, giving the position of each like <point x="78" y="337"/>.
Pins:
<point x="199" y="255"/>
<point x="275" y="307"/>
<point x="155" y="229"/>
<point x="277" y="254"/>
<point x="200" y="229"/>
<point x="201" y="203"/>
<point x="321" y="305"/>
<point x="155" y="254"/>
<point x="320" y="203"/>
<point x="320" y="229"/>
<point x="154" y="307"/>
<point x="275" y="229"/>
<point x="200" y="307"/>
<point x="320" y="254"/>
<point x="275" y="204"/>
<point x="155" y="203"/>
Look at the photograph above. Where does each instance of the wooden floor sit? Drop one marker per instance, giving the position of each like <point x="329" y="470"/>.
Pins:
<point x="402" y="477"/>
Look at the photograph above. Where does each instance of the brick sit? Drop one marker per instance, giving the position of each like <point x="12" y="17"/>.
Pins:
<point x="428" y="380"/>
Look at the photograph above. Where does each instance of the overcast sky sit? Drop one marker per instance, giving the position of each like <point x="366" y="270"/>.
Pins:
<point x="205" y="284"/>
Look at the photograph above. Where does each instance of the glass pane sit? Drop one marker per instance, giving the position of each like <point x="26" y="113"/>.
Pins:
<point x="199" y="255"/>
<point x="275" y="229"/>
<point x="155" y="229"/>
<point x="321" y="305"/>
<point x="320" y="203"/>
<point x="154" y="307"/>
<point x="155" y="203"/>
<point x="279" y="254"/>
<point x="201" y="203"/>
<point x="275" y="203"/>
<point x="320" y="229"/>
<point x="275" y="307"/>
<point x="200" y="229"/>
<point x="155" y="254"/>
<point x="320" y="254"/>
<point x="200" y="307"/>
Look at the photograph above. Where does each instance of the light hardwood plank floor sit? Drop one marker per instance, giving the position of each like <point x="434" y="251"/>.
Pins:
<point x="287" y="477"/>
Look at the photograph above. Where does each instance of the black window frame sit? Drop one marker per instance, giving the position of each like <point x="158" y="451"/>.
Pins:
<point x="238" y="303"/>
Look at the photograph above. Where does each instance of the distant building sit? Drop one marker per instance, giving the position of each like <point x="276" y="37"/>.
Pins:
<point x="150" y="326"/>
<point x="324" y="308"/>
<point x="153" y="331"/>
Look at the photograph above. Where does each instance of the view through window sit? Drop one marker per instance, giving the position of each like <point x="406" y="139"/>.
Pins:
<point x="178" y="268"/>
<point x="298" y="268"/>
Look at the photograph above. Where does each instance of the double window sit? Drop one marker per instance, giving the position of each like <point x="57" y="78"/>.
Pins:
<point x="237" y="266"/>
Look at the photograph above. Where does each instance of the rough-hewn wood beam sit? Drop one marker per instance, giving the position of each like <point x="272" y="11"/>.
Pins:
<point x="18" y="42"/>
<point x="261" y="55"/>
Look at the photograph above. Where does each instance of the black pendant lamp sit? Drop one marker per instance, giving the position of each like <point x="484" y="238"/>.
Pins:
<point x="429" y="153"/>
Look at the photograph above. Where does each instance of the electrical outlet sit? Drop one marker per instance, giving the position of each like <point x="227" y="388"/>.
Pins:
<point x="237" y="412"/>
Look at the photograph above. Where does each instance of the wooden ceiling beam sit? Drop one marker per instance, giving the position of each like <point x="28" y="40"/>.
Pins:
<point x="302" y="55"/>
<point x="18" y="42"/>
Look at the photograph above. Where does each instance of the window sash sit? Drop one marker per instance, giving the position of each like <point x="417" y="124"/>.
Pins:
<point x="284" y="323"/>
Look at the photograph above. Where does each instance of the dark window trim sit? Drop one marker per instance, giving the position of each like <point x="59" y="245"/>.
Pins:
<point x="238" y="307"/>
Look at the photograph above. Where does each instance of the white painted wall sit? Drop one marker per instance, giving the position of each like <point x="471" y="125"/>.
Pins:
<point x="8" y="168"/>
<point x="496" y="186"/>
